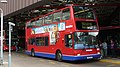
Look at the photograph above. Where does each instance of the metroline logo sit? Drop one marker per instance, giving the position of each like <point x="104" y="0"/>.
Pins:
<point x="70" y="26"/>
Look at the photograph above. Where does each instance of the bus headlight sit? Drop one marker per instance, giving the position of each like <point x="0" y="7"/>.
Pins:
<point x="98" y="52"/>
<point x="78" y="54"/>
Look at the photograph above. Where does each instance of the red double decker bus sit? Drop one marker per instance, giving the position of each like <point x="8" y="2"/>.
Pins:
<point x="6" y="42"/>
<point x="65" y="34"/>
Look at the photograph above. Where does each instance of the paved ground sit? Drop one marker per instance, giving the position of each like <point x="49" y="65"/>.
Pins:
<point x="23" y="60"/>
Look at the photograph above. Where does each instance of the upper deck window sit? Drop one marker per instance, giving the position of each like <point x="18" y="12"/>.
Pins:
<point x="57" y="16"/>
<point x="48" y="19"/>
<point x="86" y="25"/>
<point x="29" y="24"/>
<point x="83" y="12"/>
<point x="33" y="23"/>
<point x="66" y="14"/>
<point x="39" y="22"/>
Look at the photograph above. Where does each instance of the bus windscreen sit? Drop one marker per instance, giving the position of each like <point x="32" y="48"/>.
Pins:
<point x="84" y="40"/>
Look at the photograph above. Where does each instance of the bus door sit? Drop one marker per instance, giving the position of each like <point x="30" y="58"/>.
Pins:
<point x="68" y="44"/>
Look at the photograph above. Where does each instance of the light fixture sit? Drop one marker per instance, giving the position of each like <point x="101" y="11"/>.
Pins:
<point x="3" y="1"/>
<point x="46" y="5"/>
<point x="89" y="0"/>
<point x="35" y="11"/>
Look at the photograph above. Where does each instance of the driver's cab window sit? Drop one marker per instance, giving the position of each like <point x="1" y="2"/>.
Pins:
<point x="68" y="40"/>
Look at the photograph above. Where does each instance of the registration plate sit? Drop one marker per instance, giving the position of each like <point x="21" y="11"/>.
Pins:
<point x="89" y="57"/>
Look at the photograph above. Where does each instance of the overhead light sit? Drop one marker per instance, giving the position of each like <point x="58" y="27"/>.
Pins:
<point x="60" y="0"/>
<point x="68" y="1"/>
<point x="36" y="11"/>
<point x="89" y="0"/>
<point x="43" y="10"/>
<point x="46" y="5"/>
<point x="3" y="1"/>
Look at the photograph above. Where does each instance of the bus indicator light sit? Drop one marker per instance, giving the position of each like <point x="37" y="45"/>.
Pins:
<point x="98" y="48"/>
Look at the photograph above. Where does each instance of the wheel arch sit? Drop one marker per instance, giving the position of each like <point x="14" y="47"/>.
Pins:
<point x="32" y="49"/>
<point x="58" y="50"/>
<point x="32" y="52"/>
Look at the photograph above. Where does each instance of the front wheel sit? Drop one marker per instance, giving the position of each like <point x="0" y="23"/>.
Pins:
<point x="32" y="52"/>
<point x="59" y="56"/>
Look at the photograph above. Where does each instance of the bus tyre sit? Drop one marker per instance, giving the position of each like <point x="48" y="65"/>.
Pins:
<point x="59" y="56"/>
<point x="32" y="52"/>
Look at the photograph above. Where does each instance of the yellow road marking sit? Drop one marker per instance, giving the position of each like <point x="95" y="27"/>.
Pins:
<point x="42" y="60"/>
<point x="110" y="65"/>
<point x="66" y="65"/>
<point x="52" y="62"/>
<point x="110" y="61"/>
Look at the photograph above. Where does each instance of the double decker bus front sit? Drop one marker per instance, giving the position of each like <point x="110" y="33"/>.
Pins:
<point x="85" y="35"/>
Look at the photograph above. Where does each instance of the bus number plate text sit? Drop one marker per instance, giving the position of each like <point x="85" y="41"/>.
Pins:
<point x="89" y="57"/>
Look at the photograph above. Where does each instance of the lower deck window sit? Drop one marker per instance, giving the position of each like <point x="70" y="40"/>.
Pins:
<point x="39" y="41"/>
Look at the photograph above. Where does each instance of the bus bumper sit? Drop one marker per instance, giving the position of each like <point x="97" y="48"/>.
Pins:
<point x="67" y="57"/>
<point x="83" y="57"/>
